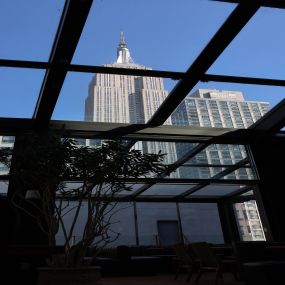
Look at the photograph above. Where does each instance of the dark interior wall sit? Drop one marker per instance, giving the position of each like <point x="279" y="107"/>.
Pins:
<point x="269" y="157"/>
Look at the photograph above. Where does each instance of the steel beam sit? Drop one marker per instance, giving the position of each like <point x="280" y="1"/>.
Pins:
<point x="73" y="18"/>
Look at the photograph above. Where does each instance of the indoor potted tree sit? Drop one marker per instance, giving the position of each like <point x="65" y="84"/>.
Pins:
<point x="44" y="162"/>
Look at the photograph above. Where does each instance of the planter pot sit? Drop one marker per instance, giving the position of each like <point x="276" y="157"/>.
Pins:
<point x="69" y="276"/>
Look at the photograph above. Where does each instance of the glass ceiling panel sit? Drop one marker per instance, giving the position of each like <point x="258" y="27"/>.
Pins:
<point x="226" y="105"/>
<point x="217" y="155"/>
<point x="172" y="150"/>
<point x="134" y="187"/>
<point x="248" y="193"/>
<point x="199" y="172"/>
<point x="189" y="172"/>
<point x="167" y="189"/>
<point x="105" y="190"/>
<point x="28" y="28"/>
<point x="151" y="33"/>
<point x="242" y="173"/>
<point x="110" y="98"/>
<point x="19" y="91"/>
<point x="258" y="50"/>
<point x="216" y="190"/>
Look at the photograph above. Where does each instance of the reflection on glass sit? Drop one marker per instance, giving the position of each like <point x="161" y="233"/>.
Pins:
<point x="167" y="189"/>
<point x="242" y="173"/>
<point x="248" y="193"/>
<point x="122" y="223"/>
<point x="201" y="222"/>
<point x="248" y="221"/>
<point x="217" y="190"/>
<point x="217" y="155"/>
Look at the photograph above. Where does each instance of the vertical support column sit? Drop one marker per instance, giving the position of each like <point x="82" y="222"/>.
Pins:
<point x="262" y="214"/>
<point x="269" y="157"/>
<point x="27" y="230"/>
<point x="181" y="237"/>
<point x="228" y="223"/>
<point x="136" y="224"/>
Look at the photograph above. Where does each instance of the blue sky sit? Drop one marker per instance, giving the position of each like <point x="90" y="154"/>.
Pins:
<point x="162" y="34"/>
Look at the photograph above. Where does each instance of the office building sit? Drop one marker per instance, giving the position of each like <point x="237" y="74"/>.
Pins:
<point x="222" y="109"/>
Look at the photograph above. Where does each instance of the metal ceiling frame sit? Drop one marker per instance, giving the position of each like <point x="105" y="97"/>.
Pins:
<point x="69" y="31"/>
<point x="71" y="25"/>
<point x="175" y="75"/>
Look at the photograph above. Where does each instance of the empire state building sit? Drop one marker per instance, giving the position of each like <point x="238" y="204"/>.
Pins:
<point x="118" y="98"/>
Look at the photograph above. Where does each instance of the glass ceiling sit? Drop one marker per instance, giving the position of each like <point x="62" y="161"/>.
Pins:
<point x="42" y="77"/>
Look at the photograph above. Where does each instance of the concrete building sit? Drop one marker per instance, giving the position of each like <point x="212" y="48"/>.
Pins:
<point x="222" y="109"/>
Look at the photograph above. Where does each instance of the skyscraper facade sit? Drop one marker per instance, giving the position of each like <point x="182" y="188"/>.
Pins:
<point x="118" y="98"/>
<point x="222" y="109"/>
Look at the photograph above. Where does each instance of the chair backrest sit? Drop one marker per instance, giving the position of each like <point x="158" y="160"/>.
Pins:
<point x="123" y="252"/>
<point x="182" y="253"/>
<point x="205" y="254"/>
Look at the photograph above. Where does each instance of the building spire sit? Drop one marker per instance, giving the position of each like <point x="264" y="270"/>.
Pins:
<point x="123" y="53"/>
<point x="122" y="40"/>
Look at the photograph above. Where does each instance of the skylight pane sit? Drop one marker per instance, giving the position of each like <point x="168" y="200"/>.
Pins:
<point x="258" y="50"/>
<point x="161" y="34"/>
<point x="19" y="90"/>
<point x="167" y="189"/>
<point x="217" y="190"/>
<point x="28" y="28"/>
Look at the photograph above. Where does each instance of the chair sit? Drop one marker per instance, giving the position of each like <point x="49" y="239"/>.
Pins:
<point x="210" y="262"/>
<point x="185" y="261"/>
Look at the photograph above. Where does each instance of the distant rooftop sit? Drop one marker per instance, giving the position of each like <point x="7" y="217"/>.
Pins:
<point x="218" y="94"/>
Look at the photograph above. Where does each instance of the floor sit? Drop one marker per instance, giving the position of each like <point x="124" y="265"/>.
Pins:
<point x="206" y="279"/>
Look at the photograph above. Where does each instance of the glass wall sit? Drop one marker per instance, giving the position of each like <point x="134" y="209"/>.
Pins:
<point x="122" y="229"/>
<point x="158" y="224"/>
<point x="201" y="222"/>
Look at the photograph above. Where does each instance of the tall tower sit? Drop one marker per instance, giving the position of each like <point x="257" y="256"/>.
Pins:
<point x="118" y="98"/>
